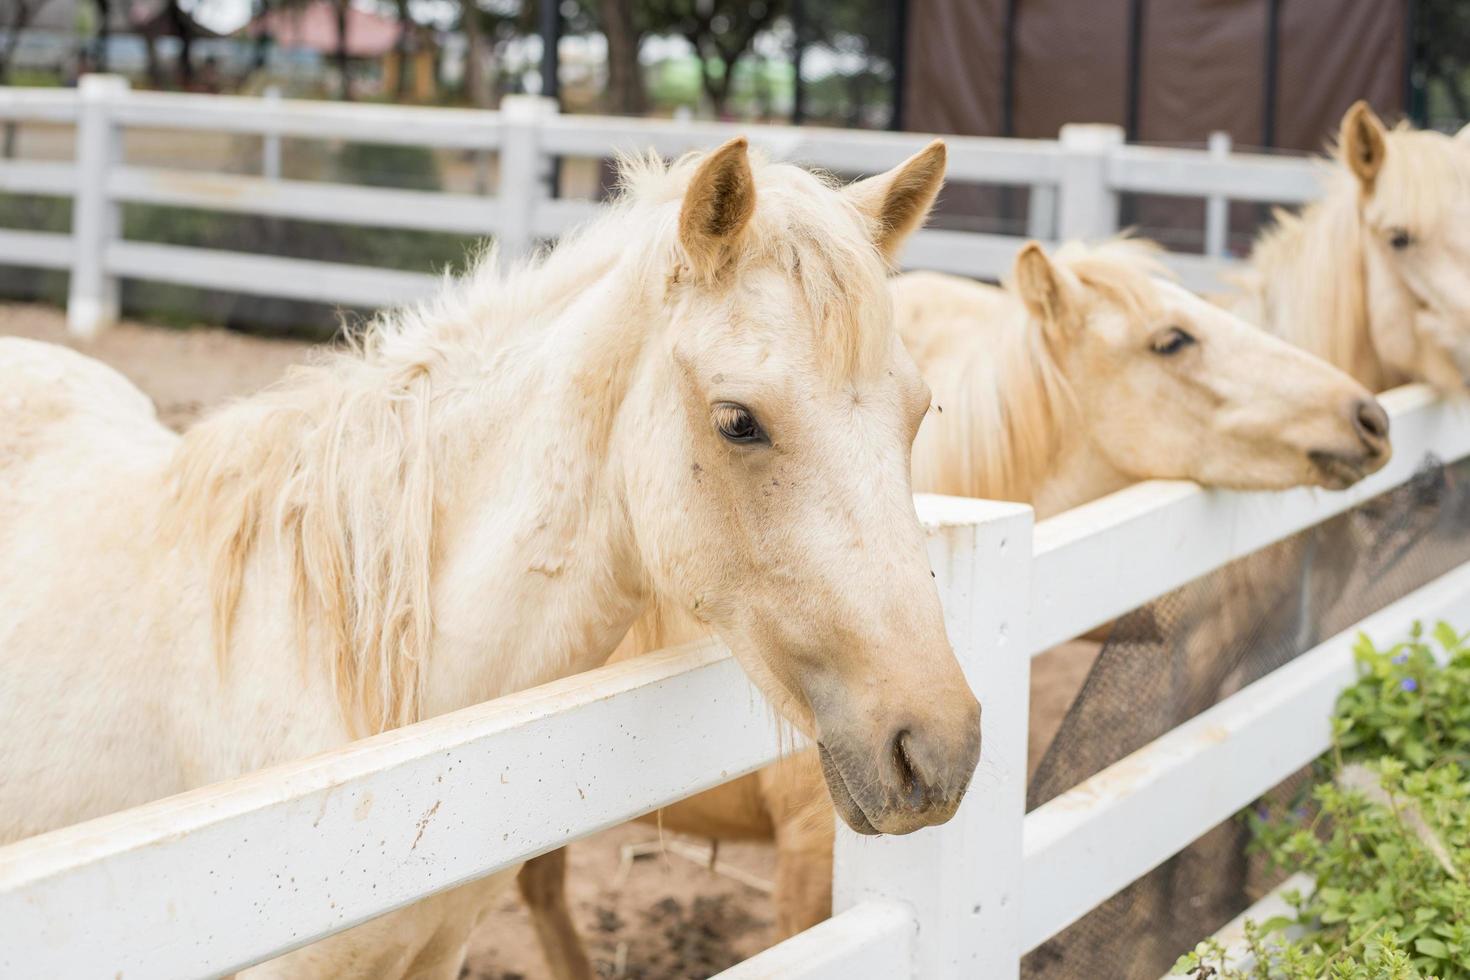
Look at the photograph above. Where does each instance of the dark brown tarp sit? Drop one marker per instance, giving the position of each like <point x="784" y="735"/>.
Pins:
<point x="1202" y="66"/>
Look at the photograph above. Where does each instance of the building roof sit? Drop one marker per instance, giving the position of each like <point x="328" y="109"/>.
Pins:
<point x="314" y="27"/>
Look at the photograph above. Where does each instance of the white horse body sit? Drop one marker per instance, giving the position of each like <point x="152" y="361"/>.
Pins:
<point x="676" y="403"/>
<point x="130" y="705"/>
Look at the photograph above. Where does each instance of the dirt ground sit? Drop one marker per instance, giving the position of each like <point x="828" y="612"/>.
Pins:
<point x="655" y="913"/>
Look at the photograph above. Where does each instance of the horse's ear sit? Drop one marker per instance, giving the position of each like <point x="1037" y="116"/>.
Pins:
<point x="1363" y="144"/>
<point x="1042" y="289"/>
<point x="897" y="202"/>
<point x="1463" y="136"/>
<point x="717" y="207"/>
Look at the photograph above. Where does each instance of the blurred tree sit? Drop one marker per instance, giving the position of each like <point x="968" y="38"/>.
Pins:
<point x="720" y="31"/>
<point x="261" y="50"/>
<point x="406" y="27"/>
<point x="344" y="60"/>
<point x="183" y="28"/>
<point x="104" y="32"/>
<point x="488" y="25"/>
<point x="1442" y="52"/>
<point x="623" y="24"/>
<point x="861" y="32"/>
<point x="16" y="19"/>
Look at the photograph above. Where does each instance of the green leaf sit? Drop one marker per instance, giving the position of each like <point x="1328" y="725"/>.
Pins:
<point x="1431" y="947"/>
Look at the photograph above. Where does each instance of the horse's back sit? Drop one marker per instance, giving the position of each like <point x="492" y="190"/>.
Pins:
<point x="81" y="452"/>
<point x="937" y="313"/>
<point x="53" y="400"/>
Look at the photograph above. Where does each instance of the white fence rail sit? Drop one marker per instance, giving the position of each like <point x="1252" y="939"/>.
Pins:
<point x="1074" y="183"/>
<point x="213" y="880"/>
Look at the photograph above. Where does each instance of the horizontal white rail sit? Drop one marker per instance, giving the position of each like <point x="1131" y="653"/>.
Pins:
<point x="38" y="105"/>
<point x="177" y="888"/>
<point x="36" y="249"/>
<point x="267" y="275"/>
<point x="971" y="158"/>
<point x="1102" y="559"/>
<point x="959" y="252"/>
<point x="305" y="200"/>
<point x="1091" y="841"/>
<point x="1201" y="273"/>
<point x="1189" y="173"/>
<point x="871" y="941"/>
<point x="472" y="129"/>
<point x="36" y="177"/>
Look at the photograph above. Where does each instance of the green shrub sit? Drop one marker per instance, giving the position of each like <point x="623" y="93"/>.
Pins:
<point x="1392" y="899"/>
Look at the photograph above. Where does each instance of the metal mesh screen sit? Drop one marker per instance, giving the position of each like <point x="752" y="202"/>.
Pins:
<point x="1165" y="663"/>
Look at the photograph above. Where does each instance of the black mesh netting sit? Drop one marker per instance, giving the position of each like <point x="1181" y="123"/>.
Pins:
<point x="1167" y="662"/>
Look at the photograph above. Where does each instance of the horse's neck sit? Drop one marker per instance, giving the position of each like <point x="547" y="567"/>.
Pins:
<point x="1080" y="474"/>
<point x="540" y="576"/>
<point x="1004" y="430"/>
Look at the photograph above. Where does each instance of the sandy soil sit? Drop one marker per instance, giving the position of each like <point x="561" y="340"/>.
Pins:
<point x="647" y="917"/>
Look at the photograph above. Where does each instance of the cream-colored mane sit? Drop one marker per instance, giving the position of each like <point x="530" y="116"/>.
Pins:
<point x="1308" y="282"/>
<point x="338" y="465"/>
<point x="1004" y="399"/>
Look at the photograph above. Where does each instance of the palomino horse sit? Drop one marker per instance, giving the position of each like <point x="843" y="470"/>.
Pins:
<point x="1088" y="373"/>
<point x="1373" y="279"/>
<point x="700" y="398"/>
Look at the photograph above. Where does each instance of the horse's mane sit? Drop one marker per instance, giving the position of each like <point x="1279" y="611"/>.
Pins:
<point x="337" y="465"/>
<point x="1307" y="281"/>
<point x="1005" y="401"/>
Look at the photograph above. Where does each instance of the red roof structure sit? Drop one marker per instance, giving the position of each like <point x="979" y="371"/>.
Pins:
<point x="314" y="27"/>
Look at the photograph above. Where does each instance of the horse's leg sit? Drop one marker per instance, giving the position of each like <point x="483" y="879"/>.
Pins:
<point x="543" y="885"/>
<point x="805" y="826"/>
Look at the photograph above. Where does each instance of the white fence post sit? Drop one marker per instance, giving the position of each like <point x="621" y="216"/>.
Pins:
<point x="1217" y="208"/>
<point x="523" y="170"/>
<point x="1041" y="212"/>
<point x="963" y="880"/>
<point x="270" y="148"/>
<point x="1089" y="205"/>
<point x="91" y="303"/>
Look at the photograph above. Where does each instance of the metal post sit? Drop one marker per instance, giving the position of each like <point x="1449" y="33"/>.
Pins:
<point x="550" y="18"/>
<point x="963" y="880"/>
<point x="900" y="61"/>
<point x="96" y="220"/>
<point x="1273" y="57"/>
<point x="1217" y="208"/>
<point x="1135" y="67"/>
<point x="270" y="151"/>
<point x="798" y="53"/>
<point x="522" y="170"/>
<point x="1088" y="208"/>
<point x="1008" y="72"/>
<point x="550" y="13"/>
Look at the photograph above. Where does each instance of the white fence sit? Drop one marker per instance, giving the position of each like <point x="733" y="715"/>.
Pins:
<point x="1074" y="184"/>
<point x="210" y="881"/>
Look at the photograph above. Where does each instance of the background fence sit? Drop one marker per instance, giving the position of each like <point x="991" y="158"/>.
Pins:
<point x="227" y="875"/>
<point x="1074" y="184"/>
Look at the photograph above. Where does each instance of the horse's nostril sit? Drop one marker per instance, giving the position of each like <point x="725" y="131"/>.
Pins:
<point x="908" y="779"/>
<point x="1370" y="420"/>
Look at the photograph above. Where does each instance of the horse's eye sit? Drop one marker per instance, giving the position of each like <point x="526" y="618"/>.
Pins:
<point x="1400" y="238"/>
<point x="1170" y="340"/>
<point x="737" y="424"/>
